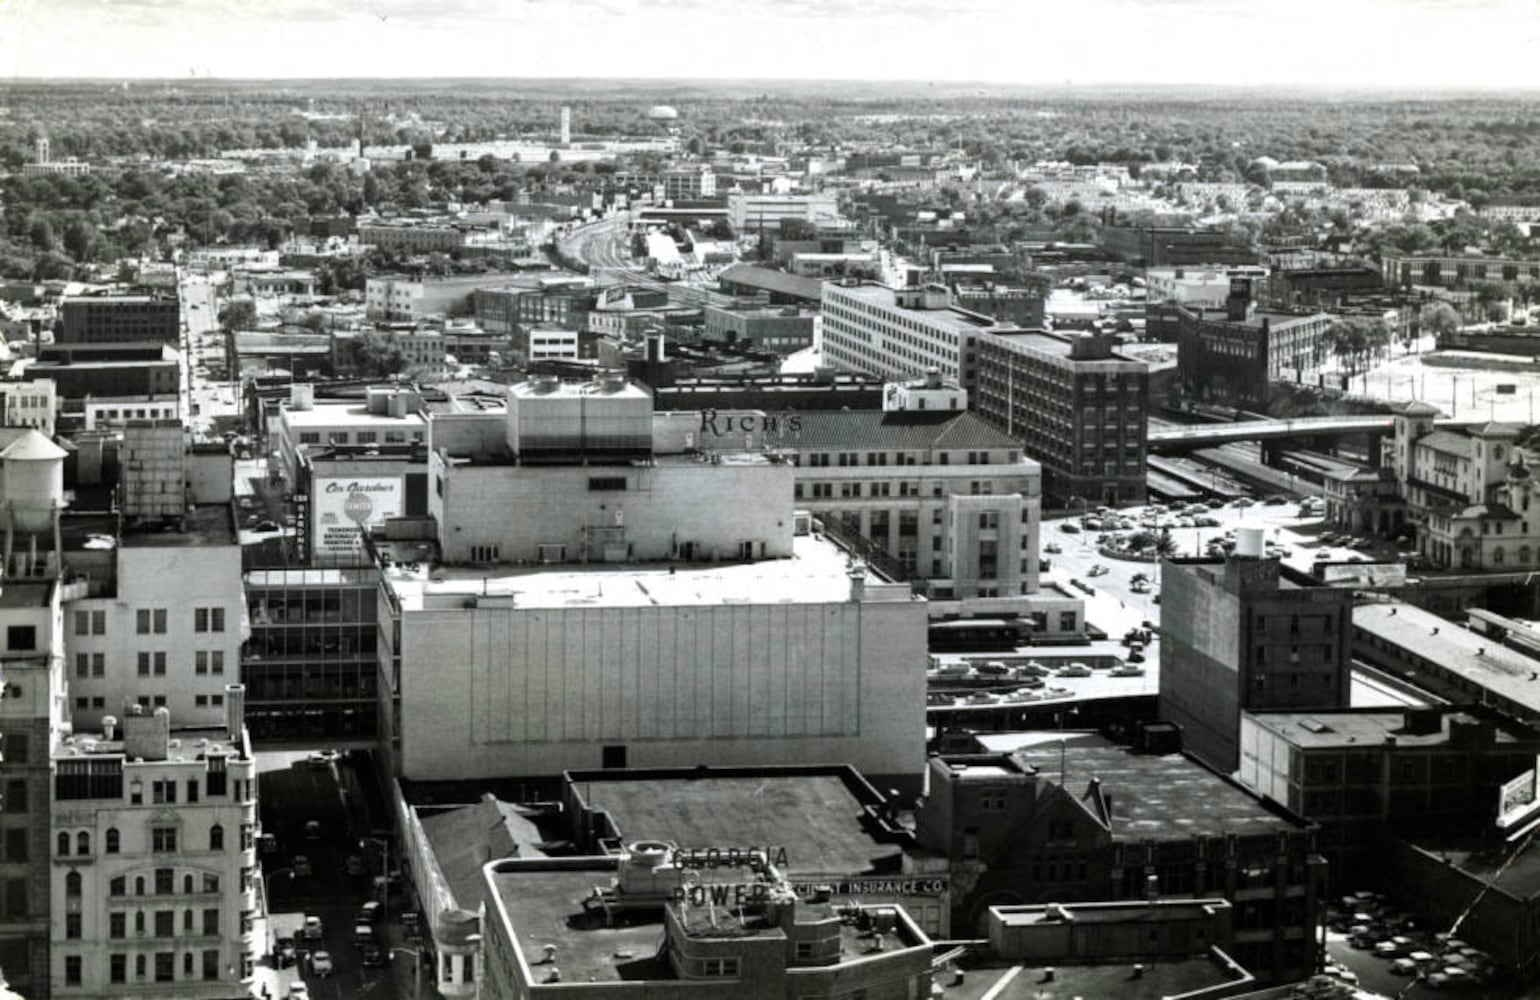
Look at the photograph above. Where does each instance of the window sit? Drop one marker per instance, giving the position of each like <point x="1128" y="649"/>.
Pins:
<point x="187" y="922"/>
<point x="216" y="837"/>
<point x="724" y="967"/>
<point x="82" y="623"/>
<point x="165" y="923"/>
<point x="165" y="881"/>
<point x="82" y="843"/>
<point x="72" y="884"/>
<point x="117" y="925"/>
<point x="113" y="842"/>
<point x="208" y="619"/>
<point x="139" y="966"/>
<point x="62" y="849"/>
<point x="201" y="666"/>
<point x="217" y="666"/>
<point x="72" y="926"/>
<point x="72" y="967"/>
<point x="16" y="748"/>
<point x="16" y="897"/>
<point x="17" y="849"/>
<point x="163" y="839"/>
<point x="139" y="923"/>
<point x="192" y="789"/>
<point x="139" y="885"/>
<point x="117" y="968"/>
<point x="211" y="923"/>
<point x="98" y="666"/>
<point x="188" y="883"/>
<point x="15" y="796"/>
<point x="210" y="883"/>
<point x="118" y="886"/>
<point x="160" y="664"/>
<point x="20" y="637"/>
<point x="142" y="621"/>
<point x="606" y="483"/>
<point x="144" y="664"/>
<point x="187" y="964"/>
<point x="211" y="965"/>
<point x="165" y="966"/>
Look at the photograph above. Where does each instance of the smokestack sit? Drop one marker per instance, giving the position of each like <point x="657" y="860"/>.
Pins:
<point x="235" y="710"/>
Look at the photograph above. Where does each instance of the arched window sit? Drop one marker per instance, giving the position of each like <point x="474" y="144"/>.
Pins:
<point x="187" y="920"/>
<point x="82" y="842"/>
<point x="139" y="922"/>
<point x="72" y="885"/>
<point x="216" y="837"/>
<point x="187" y="884"/>
<point x="112" y="840"/>
<point x="139" y="886"/>
<point x="64" y="845"/>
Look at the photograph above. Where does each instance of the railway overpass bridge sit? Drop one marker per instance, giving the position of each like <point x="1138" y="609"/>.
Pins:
<point x="1173" y="438"/>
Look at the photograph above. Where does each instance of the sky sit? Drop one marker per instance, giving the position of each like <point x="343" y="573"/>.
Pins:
<point x="1423" y="44"/>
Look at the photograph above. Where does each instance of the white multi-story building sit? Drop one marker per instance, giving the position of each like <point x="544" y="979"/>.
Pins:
<point x="160" y="620"/>
<point x="34" y="403"/>
<point x="103" y="412"/>
<point x="752" y="212"/>
<point x="615" y="590"/>
<point x="154" y="885"/>
<point x="901" y="333"/>
<point x="386" y="417"/>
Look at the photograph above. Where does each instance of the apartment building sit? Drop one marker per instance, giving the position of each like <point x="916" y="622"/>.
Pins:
<point x="901" y="333"/>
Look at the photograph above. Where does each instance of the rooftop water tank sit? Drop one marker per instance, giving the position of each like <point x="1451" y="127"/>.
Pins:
<point x="1248" y="542"/>
<point x="34" y="481"/>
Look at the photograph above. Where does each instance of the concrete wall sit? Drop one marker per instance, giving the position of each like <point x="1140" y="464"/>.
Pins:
<point x="663" y="507"/>
<point x="494" y="692"/>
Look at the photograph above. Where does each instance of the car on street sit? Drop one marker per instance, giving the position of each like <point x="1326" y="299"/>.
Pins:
<point x="313" y="829"/>
<point x="298" y="990"/>
<point x="374" y="956"/>
<point x="363" y="935"/>
<point x="321" y="964"/>
<point x="323" y="758"/>
<point x="312" y="931"/>
<point x="1075" y="670"/>
<point x="1126" y="670"/>
<point x="1053" y="548"/>
<point x="1097" y="570"/>
<point x="301" y="866"/>
<point x="266" y="526"/>
<point x="1069" y="528"/>
<point x="369" y="912"/>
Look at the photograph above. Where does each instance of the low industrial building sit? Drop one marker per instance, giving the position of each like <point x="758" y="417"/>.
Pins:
<point x="1072" y="817"/>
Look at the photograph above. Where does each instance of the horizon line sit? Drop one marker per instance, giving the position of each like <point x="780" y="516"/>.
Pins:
<point x="681" y="81"/>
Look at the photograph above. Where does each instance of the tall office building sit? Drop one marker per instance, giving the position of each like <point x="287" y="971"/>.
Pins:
<point x="1238" y="636"/>
<point x="901" y="333"/>
<point x="116" y="319"/>
<point x="1078" y="408"/>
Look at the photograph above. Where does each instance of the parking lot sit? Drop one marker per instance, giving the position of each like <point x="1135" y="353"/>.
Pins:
<point x="1388" y="952"/>
<point x="326" y="860"/>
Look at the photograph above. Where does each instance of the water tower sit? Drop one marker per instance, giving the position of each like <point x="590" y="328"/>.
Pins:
<point x="33" y="469"/>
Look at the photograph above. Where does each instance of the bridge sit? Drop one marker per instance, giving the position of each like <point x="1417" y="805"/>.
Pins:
<point x="1188" y="437"/>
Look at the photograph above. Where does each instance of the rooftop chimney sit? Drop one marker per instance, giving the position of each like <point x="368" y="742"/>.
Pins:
<point x="235" y="711"/>
<point x="147" y="735"/>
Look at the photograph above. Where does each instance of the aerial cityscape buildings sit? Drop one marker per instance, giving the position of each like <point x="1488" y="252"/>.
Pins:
<point x="548" y="541"/>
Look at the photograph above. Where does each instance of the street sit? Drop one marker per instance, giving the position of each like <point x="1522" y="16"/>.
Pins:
<point x="297" y="790"/>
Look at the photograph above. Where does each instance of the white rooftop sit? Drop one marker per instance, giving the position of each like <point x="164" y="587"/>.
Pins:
<point x="817" y="573"/>
<point x="349" y="414"/>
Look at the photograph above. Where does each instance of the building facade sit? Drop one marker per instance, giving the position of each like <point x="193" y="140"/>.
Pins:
<point x="1232" y="356"/>
<point x="783" y="330"/>
<point x="948" y="498"/>
<point x="1240" y="637"/>
<point x="155" y="884"/>
<point x="1401" y="271"/>
<point x="1078" y="408"/>
<point x="901" y="333"/>
<point x="117" y="319"/>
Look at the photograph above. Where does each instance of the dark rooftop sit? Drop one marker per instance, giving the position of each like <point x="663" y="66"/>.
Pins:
<point x="463" y="838"/>
<point x="907" y="430"/>
<point x="1155" y="795"/>
<point x="1108" y="980"/>
<point x="206" y="524"/>
<point x="773" y="281"/>
<point x="815" y="817"/>
<point x="25" y="594"/>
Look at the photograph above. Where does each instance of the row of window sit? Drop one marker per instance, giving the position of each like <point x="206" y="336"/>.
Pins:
<point x="165" y="967"/>
<point x="360" y="437"/>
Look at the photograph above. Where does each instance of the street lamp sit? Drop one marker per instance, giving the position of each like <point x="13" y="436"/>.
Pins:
<point x="416" y="967"/>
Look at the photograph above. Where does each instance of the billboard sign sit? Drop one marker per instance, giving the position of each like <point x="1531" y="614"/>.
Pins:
<point x="1516" y="799"/>
<point x="341" y="509"/>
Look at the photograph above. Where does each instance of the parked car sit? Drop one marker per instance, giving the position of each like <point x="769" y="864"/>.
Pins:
<point x="312" y="931"/>
<point x="266" y="525"/>
<point x="313" y="829"/>
<point x="1075" y="670"/>
<point x="323" y="758"/>
<point x="354" y="865"/>
<point x="1053" y="548"/>
<point x="363" y="934"/>
<point x="374" y="956"/>
<point x="301" y="866"/>
<point x="1097" y="570"/>
<point x="1069" y="529"/>
<point x="321" y="964"/>
<point x="298" y="990"/>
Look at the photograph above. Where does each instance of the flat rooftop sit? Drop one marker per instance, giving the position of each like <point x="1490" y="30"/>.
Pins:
<point x="349" y="414"/>
<point x="187" y="745"/>
<point x="463" y="838"/>
<point x="815" y="817"/>
<point x="544" y="903"/>
<point x="817" y="573"/>
<point x="1481" y="660"/>
<point x="203" y="525"/>
<point x="25" y="594"/>
<point x="1114" y="979"/>
<point x="1153" y="795"/>
<point x="1515" y="874"/>
<point x="1359" y="727"/>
